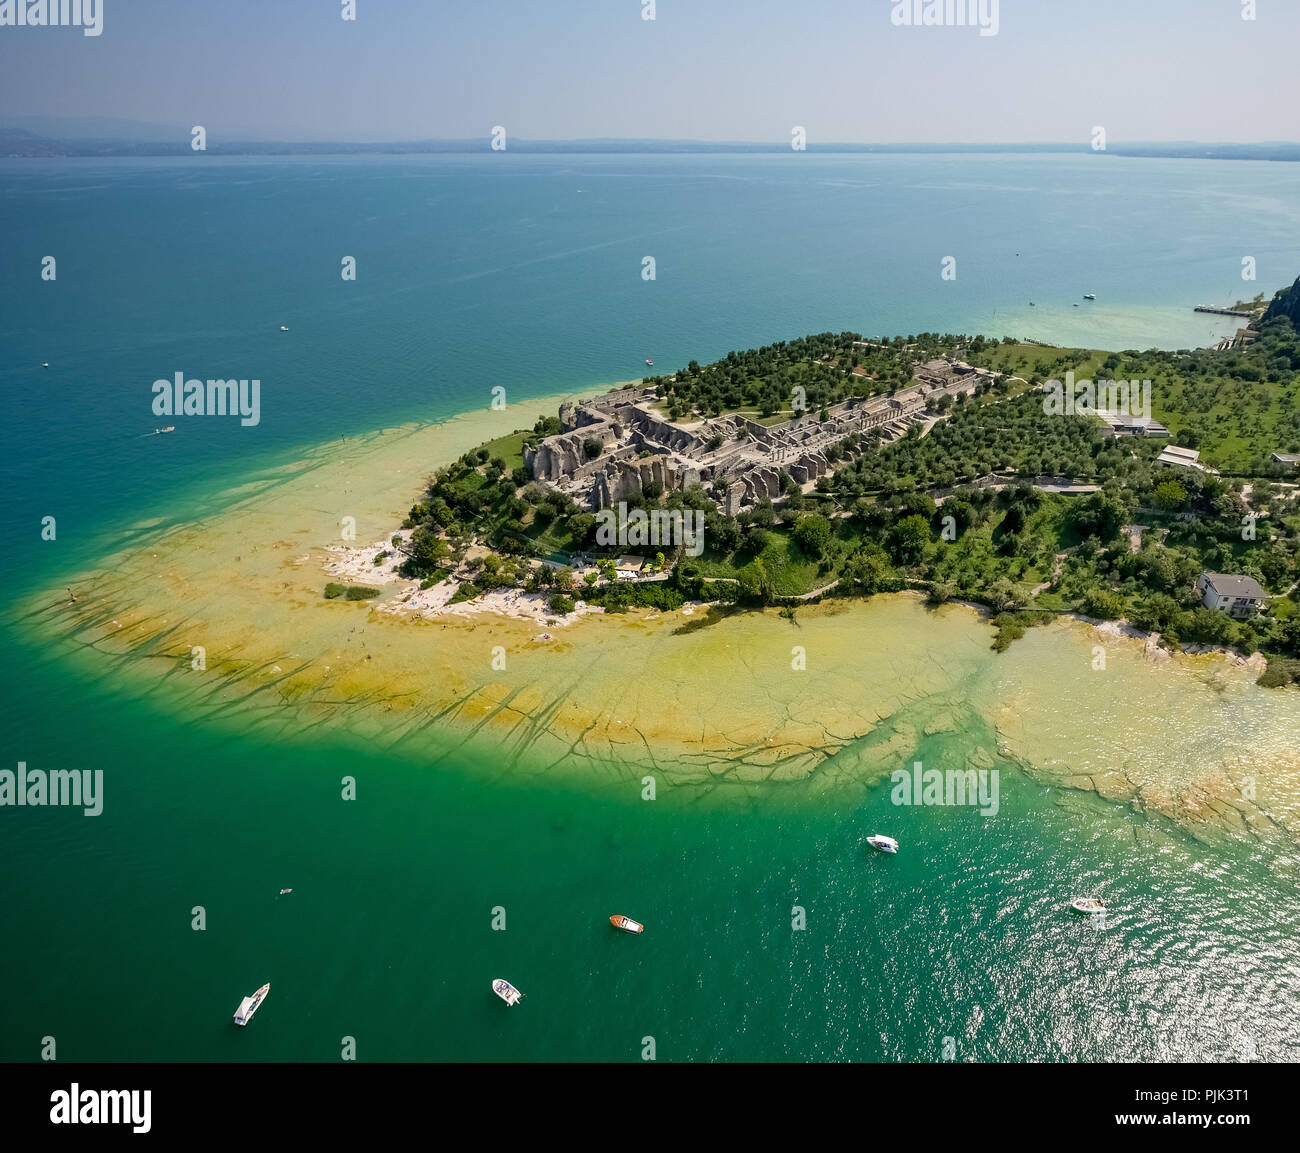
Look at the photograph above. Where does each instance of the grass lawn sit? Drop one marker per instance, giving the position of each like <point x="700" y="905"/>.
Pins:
<point x="508" y="448"/>
<point x="791" y="572"/>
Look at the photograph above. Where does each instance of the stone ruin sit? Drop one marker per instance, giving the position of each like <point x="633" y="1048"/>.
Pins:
<point x="740" y="458"/>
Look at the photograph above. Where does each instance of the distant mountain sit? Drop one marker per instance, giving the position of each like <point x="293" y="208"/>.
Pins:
<point x="96" y="128"/>
<point x="109" y="136"/>
<point x="16" y="142"/>
<point x="1286" y="303"/>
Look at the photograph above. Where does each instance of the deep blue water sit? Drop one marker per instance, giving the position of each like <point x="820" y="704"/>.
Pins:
<point x="525" y="272"/>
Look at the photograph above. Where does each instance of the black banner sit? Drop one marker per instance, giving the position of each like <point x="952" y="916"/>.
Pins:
<point x="337" y="1100"/>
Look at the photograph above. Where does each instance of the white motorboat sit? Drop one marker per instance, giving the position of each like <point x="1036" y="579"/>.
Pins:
<point x="506" y="991"/>
<point x="1090" y="906"/>
<point x="249" y="1005"/>
<point x="883" y="844"/>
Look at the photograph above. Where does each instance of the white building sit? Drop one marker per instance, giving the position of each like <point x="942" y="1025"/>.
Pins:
<point x="1184" y="458"/>
<point x="629" y="567"/>
<point x="1238" y="596"/>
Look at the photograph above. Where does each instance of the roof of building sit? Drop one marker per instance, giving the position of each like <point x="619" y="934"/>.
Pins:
<point x="1234" y="585"/>
<point x="632" y="562"/>
<point x="1186" y="457"/>
<point x="1123" y="421"/>
<point x="1287" y="457"/>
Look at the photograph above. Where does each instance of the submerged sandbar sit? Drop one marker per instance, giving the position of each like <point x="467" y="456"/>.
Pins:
<point x="847" y="690"/>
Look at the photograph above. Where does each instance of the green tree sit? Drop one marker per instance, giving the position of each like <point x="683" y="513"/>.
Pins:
<point x="1004" y="594"/>
<point x="908" y="539"/>
<point x="1103" y="604"/>
<point x="1170" y="494"/>
<point x="427" y="553"/>
<point x="755" y="582"/>
<point x="812" y="533"/>
<point x="868" y="571"/>
<point x="1099" y="515"/>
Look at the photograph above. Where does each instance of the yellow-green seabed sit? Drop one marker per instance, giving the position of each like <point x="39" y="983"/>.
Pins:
<point x="227" y="617"/>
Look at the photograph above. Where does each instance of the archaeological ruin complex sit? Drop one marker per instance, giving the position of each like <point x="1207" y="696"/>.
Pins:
<point x="739" y="457"/>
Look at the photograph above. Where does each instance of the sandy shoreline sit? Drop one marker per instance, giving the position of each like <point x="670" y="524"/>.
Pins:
<point x="403" y="596"/>
<point x="694" y="696"/>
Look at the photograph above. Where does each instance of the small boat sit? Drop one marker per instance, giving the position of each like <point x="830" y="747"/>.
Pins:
<point x="650" y="362"/>
<point x="883" y="844"/>
<point x="506" y="991"/>
<point x="249" y="1005"/>
<point x="284" y="328"/>
<point x="1089" y="296"/>
<point x="626" y="924"/>
<point x="46" y="364"/>
<point x="1031" y="304"/>
<point x="283" y="891"/>
<point x="1090" y="906"/>
<point x="160" y="431"/>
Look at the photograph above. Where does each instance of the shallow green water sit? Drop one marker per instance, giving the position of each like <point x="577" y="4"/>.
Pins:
<point x="388" y="939"/>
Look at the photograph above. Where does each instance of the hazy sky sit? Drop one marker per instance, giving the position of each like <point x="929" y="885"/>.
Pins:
<point x="703" y="69"/>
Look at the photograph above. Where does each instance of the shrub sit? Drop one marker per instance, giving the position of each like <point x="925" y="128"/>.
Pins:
<point x="333" y="591"/>
<point x="1280" y="672"/>
<point x="812" y="534"/>
<point x="939" y="593"/>
<point x="1103" y="604"/>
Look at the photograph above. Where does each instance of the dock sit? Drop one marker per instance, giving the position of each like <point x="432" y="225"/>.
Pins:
<point x="1224" y="311"/>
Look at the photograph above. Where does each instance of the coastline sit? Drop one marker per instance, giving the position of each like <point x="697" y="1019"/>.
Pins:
<point x="696" y="696"/>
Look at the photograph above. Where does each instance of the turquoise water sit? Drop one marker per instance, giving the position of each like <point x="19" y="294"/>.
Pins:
<point x="388" y="938"/>
<point x="525" y="272"/>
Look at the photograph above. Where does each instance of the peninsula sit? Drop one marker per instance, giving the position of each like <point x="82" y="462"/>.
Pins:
<point x="837" y="465"/>
<point x="527" y="609"/>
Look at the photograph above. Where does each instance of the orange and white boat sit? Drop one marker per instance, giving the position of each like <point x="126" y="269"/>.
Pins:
<point x="626" y="924"/>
